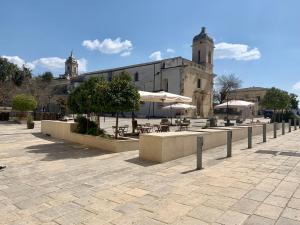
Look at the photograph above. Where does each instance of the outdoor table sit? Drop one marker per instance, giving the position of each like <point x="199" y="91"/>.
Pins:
<point x="162" y="127"/>
<point x="183" y="126"/>
<point x="121" y="129"/>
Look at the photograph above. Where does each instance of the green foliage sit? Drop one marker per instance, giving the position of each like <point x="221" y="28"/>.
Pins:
<point x="276" y="99"/>
<point x="24" y="102"/>
<point x="89" y="97"/>
<point x="294" y="102"/>
<point x="85" y="126"/>
<point x="96" y="95"/>
<point x="122" y="94"/>
<point x="11" y="72"/>
<point x="46" y="76"/>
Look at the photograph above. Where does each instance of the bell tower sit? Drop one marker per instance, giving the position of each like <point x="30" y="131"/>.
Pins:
<point x="203" y="50"/>
<point x="71" y="67"/>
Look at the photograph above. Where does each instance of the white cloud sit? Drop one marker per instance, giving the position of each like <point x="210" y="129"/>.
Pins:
<point x="243" y="52"/>
<point x="109" y="46"/>
<point x="19" y="61"/>
<point x="155" y="56"/>
<point x="125" y="54"/>
<point x="50" y="63"/>
<point x="170" y="50"/>
<point x="82" y="63"/>
<point x="296" y="86"/>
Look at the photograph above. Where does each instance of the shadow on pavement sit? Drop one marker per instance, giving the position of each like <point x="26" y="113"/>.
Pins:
<point x="140" y="162"/>
<point x="59" y="149"/>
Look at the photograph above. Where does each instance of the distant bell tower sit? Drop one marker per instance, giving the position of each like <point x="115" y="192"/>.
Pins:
<point x="203" y="50"/>
<point x="71" y="67"/>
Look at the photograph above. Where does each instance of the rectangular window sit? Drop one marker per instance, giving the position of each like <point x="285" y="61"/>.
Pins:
<point x="199" y="55"/>
<point x="136" y="76"/>
<point x="199" y="83"/>
<point x="166" y="85"/>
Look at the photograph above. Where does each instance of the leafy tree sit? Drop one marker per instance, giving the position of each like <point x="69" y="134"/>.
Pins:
<point x="47" y="76"/>
<point x="24" y="102"/>
<point x="7" y="69"/>
<point x="276" y="99"/>
<point x="225" y="84"/>
<point x="294" y="102"/>
<point x="89" y="97"/>
<point x="11" y="72"/>
<point x="123" y="96"/>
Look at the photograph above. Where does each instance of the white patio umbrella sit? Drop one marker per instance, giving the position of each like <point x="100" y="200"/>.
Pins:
<point x="240" y="104"/>
<point x="171" y="98"/>
<point x="146" y="96"/>
<point x="164" y="97"/>
<point x="234" y="104"/>
<point x="179" y="106"/>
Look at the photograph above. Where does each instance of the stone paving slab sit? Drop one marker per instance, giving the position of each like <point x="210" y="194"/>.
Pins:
<point x="51" y="182"/>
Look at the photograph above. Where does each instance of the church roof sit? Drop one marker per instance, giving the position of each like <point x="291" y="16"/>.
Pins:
<point x="203" y="35"/>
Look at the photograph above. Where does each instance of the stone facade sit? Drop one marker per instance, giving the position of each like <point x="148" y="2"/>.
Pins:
<point x="251" y="94"/>
<point x="175" y="75"/>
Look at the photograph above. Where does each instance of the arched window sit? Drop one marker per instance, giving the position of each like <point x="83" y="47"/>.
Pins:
<point x="199" y="55"/>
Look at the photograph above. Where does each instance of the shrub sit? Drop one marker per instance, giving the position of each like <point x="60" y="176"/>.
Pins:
<point x="24" y="102"/>
<point x="83" y="124"/>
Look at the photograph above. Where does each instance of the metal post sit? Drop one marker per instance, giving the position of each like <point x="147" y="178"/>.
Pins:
<point x="295" y="124"/>
<point x="283" y="128"/>
<point x="290" y="124"/>
<point x="229" y="143"/>
<point x="275" y="130"/>
<point x="299" y="123"/>
<point x="264" y="132"/>
<point x="249" y="137"/>
<point x="199" y="152"/>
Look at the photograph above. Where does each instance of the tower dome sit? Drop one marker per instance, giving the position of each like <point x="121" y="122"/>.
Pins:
<point x="202" y="36"/>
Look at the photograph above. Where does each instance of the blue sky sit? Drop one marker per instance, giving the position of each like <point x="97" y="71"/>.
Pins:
<point x="258" y="40"/>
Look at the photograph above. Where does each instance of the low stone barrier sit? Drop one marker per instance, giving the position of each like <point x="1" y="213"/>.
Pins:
<point x="63" y="130"/>
<point x="162" y="147"/>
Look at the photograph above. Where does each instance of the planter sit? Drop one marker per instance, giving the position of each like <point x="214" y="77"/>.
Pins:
<point x="63" y="130"/>
<point x="30" y="125"/>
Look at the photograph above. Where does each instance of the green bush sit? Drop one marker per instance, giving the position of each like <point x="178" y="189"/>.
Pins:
<point x="24" y="102"/>
<point x="85" y="126"/>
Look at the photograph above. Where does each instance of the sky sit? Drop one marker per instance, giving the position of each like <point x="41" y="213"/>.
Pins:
<point x="257" y="40"/>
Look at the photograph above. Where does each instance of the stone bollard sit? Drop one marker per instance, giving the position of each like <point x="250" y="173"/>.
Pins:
<point x="290" y="125"/>
<point x="264" y="132"/>
<point x="275" y="129"/>
<point x="199" y="152"/>
<point x="295" y="124"/>
<point x="249" y="137"/>
<point x="229" y="143"/>
<point x="283" y="128"/>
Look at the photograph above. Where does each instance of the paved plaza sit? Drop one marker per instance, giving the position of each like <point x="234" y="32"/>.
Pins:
<point x="51" y="182"/>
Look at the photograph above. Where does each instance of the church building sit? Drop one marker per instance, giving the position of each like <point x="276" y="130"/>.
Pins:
<point x="191" y="78"/>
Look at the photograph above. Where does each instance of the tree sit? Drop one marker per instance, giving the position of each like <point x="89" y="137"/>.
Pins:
<point x="294" y="102"/>
<point x="123" y="96"/>
<point x="89" y="97"/>
<point x="276" y="99"/>
<point x="47" y="76"/>
<point x="7" y="70"/>
<point x="24" y="102"/>
<point x="225" y="84"/>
